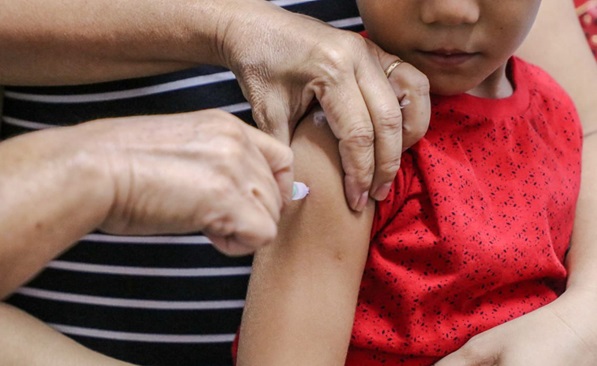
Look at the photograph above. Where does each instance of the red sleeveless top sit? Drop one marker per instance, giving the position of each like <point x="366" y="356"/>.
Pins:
<point x="476" y="227"/>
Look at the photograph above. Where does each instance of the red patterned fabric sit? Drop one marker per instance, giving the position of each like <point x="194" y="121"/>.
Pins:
<point x="587" y="14"/>
<point x="476" y="227"/>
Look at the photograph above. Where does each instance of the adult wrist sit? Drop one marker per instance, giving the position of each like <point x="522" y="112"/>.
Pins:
<point x="232" y="42"/>
<point x="87" y="162"/>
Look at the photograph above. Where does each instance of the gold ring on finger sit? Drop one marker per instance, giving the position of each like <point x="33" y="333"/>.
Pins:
<point x="392" y="66"/>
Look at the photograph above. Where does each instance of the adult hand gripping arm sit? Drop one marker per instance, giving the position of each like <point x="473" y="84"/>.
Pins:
<point x="283" y="61"/>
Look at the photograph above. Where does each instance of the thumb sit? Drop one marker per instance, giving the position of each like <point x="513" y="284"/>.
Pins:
<point x="272" y="118"/>
<point x="279" y="158"/>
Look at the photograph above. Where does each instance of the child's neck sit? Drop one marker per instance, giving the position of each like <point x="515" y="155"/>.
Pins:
<point x="495" y="86"/>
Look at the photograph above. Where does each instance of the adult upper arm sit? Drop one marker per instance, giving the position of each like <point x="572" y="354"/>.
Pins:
<point x="303" y="289"/>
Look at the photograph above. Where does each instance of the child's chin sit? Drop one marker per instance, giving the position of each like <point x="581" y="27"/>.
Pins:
<point x="452" y="89"/>
<point x="447" y="92"/>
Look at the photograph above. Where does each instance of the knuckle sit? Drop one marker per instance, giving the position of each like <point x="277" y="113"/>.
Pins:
<point x="220" y="224"/>
<point x="421" y="86"/>
<point x="344" y="48"/>
<point x="215" y="113"/>
<point x="390" y="120"/>
<point x="233" y="138"/>
<point x="359" y="181"/>
<point x="356" y="42"/>
<point x="217" y="120"/>
<point x="388" y="169"/>
<point x="232" y="249"/>
<point x="286" y="156"/>
<point x="469" y="353"/>
<point x="226" y="164"/>
<point x="246" y="242"/>
<point x="336" y="60"/>
<point x="360" y="136"/>
<point x="269" y="234"/>
<point x="365" y="179"/>
<point x="360" y="170"/>
<point x="231" y="153"/>
<point x="413" y="131"/>
<point x="414" y="79"/>
<point x="475" y="350"/>
<point x="325" y="77"/>
<point x="231" y="130"/>
<point x="334" y="55"/>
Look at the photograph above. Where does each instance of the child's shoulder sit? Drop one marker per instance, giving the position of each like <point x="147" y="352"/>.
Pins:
<point x="546" y="96"/>
<point x="534" y="77"/>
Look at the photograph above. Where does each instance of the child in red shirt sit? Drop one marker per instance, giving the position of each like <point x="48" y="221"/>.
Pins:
<point x="474" y="232"/>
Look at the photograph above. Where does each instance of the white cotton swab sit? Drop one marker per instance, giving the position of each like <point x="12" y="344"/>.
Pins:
<point x="299" y="191"/>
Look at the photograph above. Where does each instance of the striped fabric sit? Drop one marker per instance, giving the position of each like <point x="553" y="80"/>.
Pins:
<point x="159" y="300"/>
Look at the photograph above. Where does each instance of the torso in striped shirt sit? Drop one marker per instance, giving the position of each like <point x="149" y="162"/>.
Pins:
<point x="162" y="300"/>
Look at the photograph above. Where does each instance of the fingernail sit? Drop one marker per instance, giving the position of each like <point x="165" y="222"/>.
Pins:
<point x="319" y="118"/>
<point x="361" y="202"/>
<point x="404" y="102"/>
<point x="382" y="192"/>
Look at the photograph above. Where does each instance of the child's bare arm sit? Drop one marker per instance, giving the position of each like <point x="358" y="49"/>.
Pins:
<point x="303" y="290"/>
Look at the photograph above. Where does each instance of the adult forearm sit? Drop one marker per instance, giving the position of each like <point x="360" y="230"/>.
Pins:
<point x="32" y="343"/>
<point x="200" y="171"/>
<point x="74" y="41"/>
<point x="557" y="44"/>
<point x="582" y="258"/>
<point x="579" y="314"/>
<point x="52" y="192"/>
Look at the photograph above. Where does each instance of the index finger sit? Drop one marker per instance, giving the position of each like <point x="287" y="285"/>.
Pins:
<point x="349" y="120"/>
<point x="387" y="118"/>
<point x="279" y="157"/>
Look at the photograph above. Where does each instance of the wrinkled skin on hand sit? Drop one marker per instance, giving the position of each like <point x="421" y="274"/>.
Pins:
<point x="293" y="60"/>
<point x="203" y="171"/>
<point x="562" y="333"/>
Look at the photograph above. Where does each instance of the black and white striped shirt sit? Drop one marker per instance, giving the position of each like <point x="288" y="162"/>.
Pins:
<point x="160" y="300"/>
